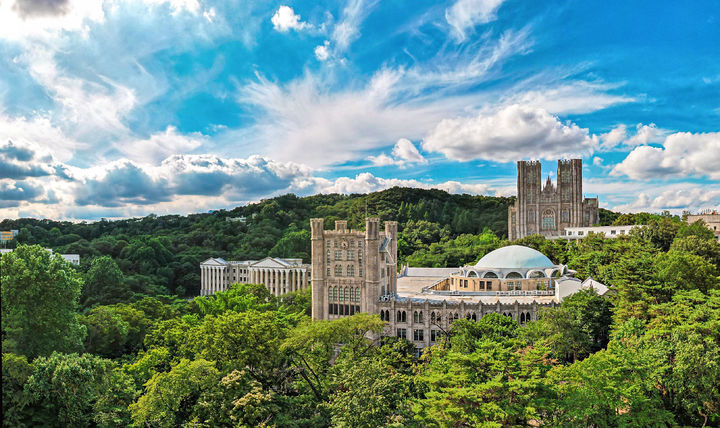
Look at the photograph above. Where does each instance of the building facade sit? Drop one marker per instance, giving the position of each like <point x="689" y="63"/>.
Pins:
<point x="711" y="219"/>
<point x="607" y="231"/>
<point x="280" y="276"/>
<point x="355" y="271"/>
<point x="72" y="258"/>
<point x="352" y="269"/>
<point x="547" y="210"/>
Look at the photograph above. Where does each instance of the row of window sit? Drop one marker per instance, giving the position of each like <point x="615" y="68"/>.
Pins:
<point x="419" y="334"/>
<point x="352" y="242"/>
<point x="401" y="316"/>
<point x="340" y="309"/>
<point x="349" y="256"/>
<point x="349" y="271"/>
<point x="347" y="294"/>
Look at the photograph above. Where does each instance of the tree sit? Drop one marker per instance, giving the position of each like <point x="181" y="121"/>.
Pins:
<point x="115" y="330"/>
<point x="15" y="409"/>
<point x="172" y="398"/>
<point x="39" y="298"/>
<point x="104" y="284"/>
<point x="74" y="390"/>
<point x="677" y="270"/>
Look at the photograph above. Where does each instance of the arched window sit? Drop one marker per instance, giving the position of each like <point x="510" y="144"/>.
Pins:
<point x="330" y="294"/>
<point x="387" y="315"/>
<point x="522" y="318"/>
<point x="490" y="275"/>
<point x="404" y="316"/>
<point x="338" y="270"/>
<point x="467" y="316"/>
<point x="537" y="274"/>
<point x="415" y="317"/>
<point x="382" y="315"/>
<point x="351" y="270"/>
<point x="527" y="317"/>
<point x="432" y="317"/>
<point x="474" y="316"/>
<point x="399" y="316"/>
<point x="513" y="275"/>
<point x="472" y="274"/>
<point x="548" y="220"/>
<point x="420" y="317"/>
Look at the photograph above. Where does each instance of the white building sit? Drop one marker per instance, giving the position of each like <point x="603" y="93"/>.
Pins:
<point x="711" y="219"/>
<point x="280" y="276"/>
<point x="608" y="231"/>
<point x="72" y="258"/>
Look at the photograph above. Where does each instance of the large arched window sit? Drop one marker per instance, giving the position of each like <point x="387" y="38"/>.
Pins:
<point x="537" y="274"/>
<point x="472" y="274"/>
<point x="490" y="275"/>
<point x="548" y="220"/>
<point x="338" y="270"/>
<point x="513" y="275"/>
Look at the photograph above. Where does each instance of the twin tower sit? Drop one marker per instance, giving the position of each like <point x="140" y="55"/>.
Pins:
<point x="352" y="270"/>
<point x="547" y="210"/>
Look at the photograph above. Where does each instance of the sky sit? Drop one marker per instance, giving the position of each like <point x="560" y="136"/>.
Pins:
<point x="114" y="109"/>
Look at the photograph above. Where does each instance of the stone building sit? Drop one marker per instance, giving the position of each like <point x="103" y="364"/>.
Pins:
<point x="547" y="210"/>
<point x="355" y="271"/>
<point x="352" y="269"/>
<point x="280" y="276"/>
<point x="711" y="219"/>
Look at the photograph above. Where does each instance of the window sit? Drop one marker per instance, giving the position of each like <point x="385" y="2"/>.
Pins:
<point x="360" y="272"/>
<point x="352" y="244"/>
<point x="581" y="233"/>
<point x="421" y="317"/>
<point x="565" y="176"/>
<point x="565" y="216"/>
<point x="338" y="254"/>
<point x="415" y="316"/>
<point x="432" y="317"/>
<point x="402" y="333"/>
<point x="548" y="220"/>
<point x="347" y="294"/>
<point x="351" y="270"/>
<point x="488" y="285"/>
<point x="360" y="258"/>
<point x="338" y="270"/>
<point x="612" y="232"/>
<point x="359" y="244"/>
<point x="328" y="271"/>
<point x="350" y="255"/>
<point x="418" y="335"/>
<point x="474" y="317"/>
<point x="434" y="335"/>
<point x="329" y="243"/>
<point x="328" y="256"/>
<point x="335" y="244"/>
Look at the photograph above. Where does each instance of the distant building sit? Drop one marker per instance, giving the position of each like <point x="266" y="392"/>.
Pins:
<point x="72" y="258"/>
<point x="280" y="276"/>
<point x="711" y="219"/>
<point x="608" y="231"/>
<point x="550" y="209"/>
<point x="354" y="271"/>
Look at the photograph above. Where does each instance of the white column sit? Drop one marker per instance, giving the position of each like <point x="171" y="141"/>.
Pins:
<point x="202" y="279"/>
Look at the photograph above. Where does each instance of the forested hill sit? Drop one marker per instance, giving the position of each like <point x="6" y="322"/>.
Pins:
<point x="162" y="253"/>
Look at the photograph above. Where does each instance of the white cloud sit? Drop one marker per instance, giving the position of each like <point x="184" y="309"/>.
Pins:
<point x="683" y="197"/>
<point x="682" y="153"/>
<point x="512" y="133"/>
<point x="285" y="20"/>
<point x="160" y="145"/>
<point x="645" y="134"/>
<point x="466" y="14"/>
<point x="366" y="183"/>
<point x="322" y="52"/>
<point x="576" y="97"/>
<point x="614" y="137"/>
<point x="347" y="30"/>
<point x="39" y="135"/>
<point x="404" y="153"/>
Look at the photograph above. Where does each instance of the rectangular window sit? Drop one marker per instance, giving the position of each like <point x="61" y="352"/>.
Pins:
<point x="418" y="335"/>
<point x="612" y="232"/>
<point x="338" y="254"/>
<point x="350" y="255"/>
<point x="360" y="272"/>
<point x="328" y="271"/>
<point x="433" y="335"/>
<point x="489" y="285"/>
<point x="402" y="333"/>
<point x="581" y="233"/>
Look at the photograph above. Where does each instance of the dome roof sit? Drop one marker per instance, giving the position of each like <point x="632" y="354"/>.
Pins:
<point x="514" y="257"/>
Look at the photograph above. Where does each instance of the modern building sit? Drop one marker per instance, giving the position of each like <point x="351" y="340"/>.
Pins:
<point x="72" y="258"/>
<point x="280" y="276"/>
<point x="548" y="210"/>
<point x="711" y="219"/>
<point x="355" y="271"/>
<point x="607" y="231"/>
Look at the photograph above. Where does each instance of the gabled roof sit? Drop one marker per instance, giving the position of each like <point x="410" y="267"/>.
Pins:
<point x="271" y="262"/>
<point x="214" y="262"/>
<point x="598" y="286"/>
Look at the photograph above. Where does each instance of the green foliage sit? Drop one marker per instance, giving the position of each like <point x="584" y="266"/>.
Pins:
<point x="39" y="300"/>
<point x="104" y="284"/>
<point x="15" y="410"/>
<point x="115" y="330"/>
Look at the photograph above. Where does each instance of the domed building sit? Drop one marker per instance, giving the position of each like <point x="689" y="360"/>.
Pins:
<point x="355" y="271"/>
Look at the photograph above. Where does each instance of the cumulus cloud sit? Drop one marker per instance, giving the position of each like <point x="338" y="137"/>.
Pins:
<point x="366" y="182"/>
<point x="684" y="197"/>
<point x="404" y="153"/>
<point x="512" y="133"/>
<point x="619" y="137"/>
<point x="161" y="145"/>
<point x="285" y="20"/>
<point x="322" y="52"/>
<point x="125" y="182"/>
<point x="463" y="15"/>
<point x="682" y="153"/>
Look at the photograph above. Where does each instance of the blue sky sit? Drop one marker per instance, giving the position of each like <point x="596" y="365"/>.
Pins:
<point x="125" y="108"/>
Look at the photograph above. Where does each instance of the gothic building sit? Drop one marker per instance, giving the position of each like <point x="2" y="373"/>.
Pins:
<point x="355" y="271"/>
<point x="547" y="210"/>
<point x="352" y="269"/>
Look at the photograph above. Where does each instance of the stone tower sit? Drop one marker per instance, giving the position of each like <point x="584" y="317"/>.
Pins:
<point x="548" y="210"/>
<point x="352" y="269"/>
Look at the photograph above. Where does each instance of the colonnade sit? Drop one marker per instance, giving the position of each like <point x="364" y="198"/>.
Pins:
<point x="212" y="280"/>
<point x="279" y="281"/>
